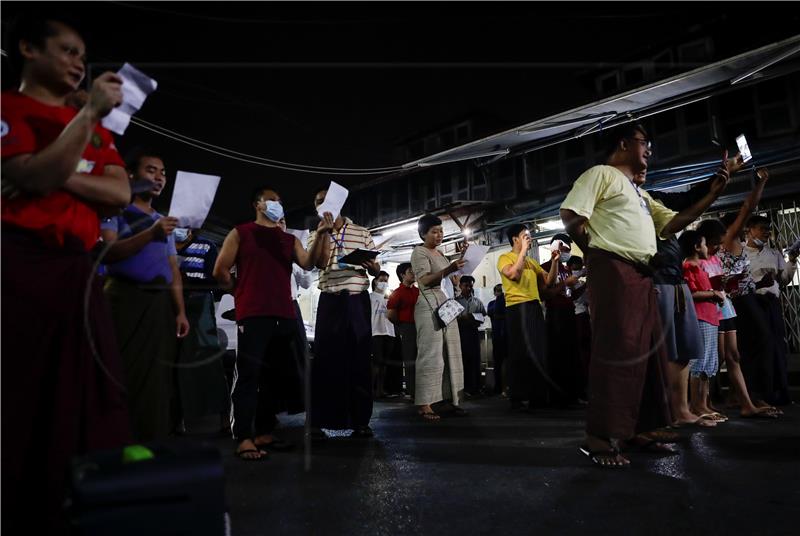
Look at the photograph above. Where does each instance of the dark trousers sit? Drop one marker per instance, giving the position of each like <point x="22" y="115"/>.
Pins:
<point x="499" y="352"/>
<point x="527" y="361"/>
<point x="470" y="355"/>
<point x="756" y="345"/>
<point x="393" y="380"/>
<point x="144" y="322"/>
<point x="200" y="385"/>
<point x="584" y="341"/>
<point x="341" y="375"/>
<point x="253" y="404"/>
<point x="62" y="384"/>
<point x="762" y="342"/>
<point x="407" y="333"/>
<point x="562" y="352"/>
<point x="382" y="351"/>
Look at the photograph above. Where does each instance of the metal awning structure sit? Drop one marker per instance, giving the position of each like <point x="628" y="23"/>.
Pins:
<point x="679" y="90"/>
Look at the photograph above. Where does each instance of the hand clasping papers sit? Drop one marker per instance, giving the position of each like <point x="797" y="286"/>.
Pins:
<point x="194" y="193"/>
<point x="474" y="255"/>
<point x="334" y="200"/>
<point x="136" y="86"/>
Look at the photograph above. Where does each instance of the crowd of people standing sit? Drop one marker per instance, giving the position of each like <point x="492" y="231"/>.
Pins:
<point x="635" y="329"/>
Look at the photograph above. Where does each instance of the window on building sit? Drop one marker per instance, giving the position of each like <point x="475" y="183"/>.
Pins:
<point x="699" y="51"/>
<point x="634" y="75"/>
<point x="445" y="182"/>
<point x="775" y="108"/>
<point x="663" y="63"/>
<point x="666" y="135"/>
<point x="608" y="83"/>
<point x="551" y="170"/>
<point x="462" y="132"/>
<point x="480" y="189"/>
<point x="697" y="126"/>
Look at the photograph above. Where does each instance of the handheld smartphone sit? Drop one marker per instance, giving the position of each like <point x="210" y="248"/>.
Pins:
<point x="741" y="141"/>
<point x="556" y="245"/>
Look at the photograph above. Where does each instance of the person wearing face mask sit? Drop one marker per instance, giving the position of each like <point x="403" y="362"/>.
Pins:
<point x="562" y="352"/>
<point x="201" y="388"/>
<point x="263" y="254"/>
<point x="771" y="271"/>
<point x="383" y="335"/>
<point x="145" y="289"/>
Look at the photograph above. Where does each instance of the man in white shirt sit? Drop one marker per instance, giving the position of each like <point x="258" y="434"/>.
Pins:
<point x="771" y="271"/>
<point x="382" y="333"/>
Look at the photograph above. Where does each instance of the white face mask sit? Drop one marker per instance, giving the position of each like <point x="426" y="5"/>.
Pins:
<point x="565" y="257"/>
<point x="758" y="242"/>
<point x="381" y="286"/>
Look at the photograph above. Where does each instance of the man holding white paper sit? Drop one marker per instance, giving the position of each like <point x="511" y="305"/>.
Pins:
<point x="341" y="383"/>
<point x="145" y="290"/>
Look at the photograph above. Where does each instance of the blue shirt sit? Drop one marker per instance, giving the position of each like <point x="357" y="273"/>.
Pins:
<point x="151" y="263"/>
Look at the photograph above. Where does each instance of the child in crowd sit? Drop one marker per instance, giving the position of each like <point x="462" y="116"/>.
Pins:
<point x="704" y="367"/>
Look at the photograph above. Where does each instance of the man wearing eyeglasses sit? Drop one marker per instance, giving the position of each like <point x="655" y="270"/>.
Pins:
<point x="341" y="373"/>
<point x="616" y="224"/>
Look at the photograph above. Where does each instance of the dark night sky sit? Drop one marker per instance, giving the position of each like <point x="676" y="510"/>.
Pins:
<point x="518" y="62"/>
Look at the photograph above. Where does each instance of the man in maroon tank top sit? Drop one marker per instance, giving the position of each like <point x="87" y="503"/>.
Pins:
<point x="263" y="254"/>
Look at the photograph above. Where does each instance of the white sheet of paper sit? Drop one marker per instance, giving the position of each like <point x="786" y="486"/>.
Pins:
<point x="334" y="200"/>
<point x="473" y="256"/>
<point x="136" y="86"/>
<point x="478" y="317"/>
<point x="302" y="236"/>
<point x="192" y="198"/>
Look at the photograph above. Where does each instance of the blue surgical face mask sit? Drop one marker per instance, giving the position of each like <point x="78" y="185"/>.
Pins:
<point x="181" y="235"/>
<point x="758" y="242"/>
<point x="273" y="210"/>
<point x="565" y="257"/>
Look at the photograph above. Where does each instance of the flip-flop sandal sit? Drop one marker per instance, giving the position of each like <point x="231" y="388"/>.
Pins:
<point x="714" y="417"/>
<point x="429" y="416"/>
<point x="699" y="423"/>
<point x="263" y="455"/>
<point x="597" y="455"/>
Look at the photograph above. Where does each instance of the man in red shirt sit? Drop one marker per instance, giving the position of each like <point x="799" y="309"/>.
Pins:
<point x="401" y="313"/>
<point x="61" y="389"/>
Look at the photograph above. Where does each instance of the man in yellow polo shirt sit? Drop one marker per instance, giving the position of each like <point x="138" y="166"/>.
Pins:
<point x="615" y="223"/>
<point x="522" y="278"/>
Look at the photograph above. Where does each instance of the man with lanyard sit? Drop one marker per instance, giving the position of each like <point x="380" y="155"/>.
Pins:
<point x="341" y="383"/>
<point x="562" y="350"/>
<point x="62" y="394"/>
<point x="616" y="224"/>
<point x="145" y="289"/>
<point x="771" y="271"/>
<point x="200" y="374"/>
<point x="468" y="323"/>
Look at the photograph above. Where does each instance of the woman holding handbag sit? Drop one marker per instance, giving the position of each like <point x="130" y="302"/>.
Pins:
<point x="439" y="371"/>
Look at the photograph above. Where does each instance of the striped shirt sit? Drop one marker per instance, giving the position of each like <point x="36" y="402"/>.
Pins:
<point x="335" y="278"/>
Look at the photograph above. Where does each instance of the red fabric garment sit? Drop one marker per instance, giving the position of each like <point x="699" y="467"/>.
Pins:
<point x="29" y="126"/>
<point x="404" y="299"/>
<point x="698" y="281"/>
<point x="263" y="271"/>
